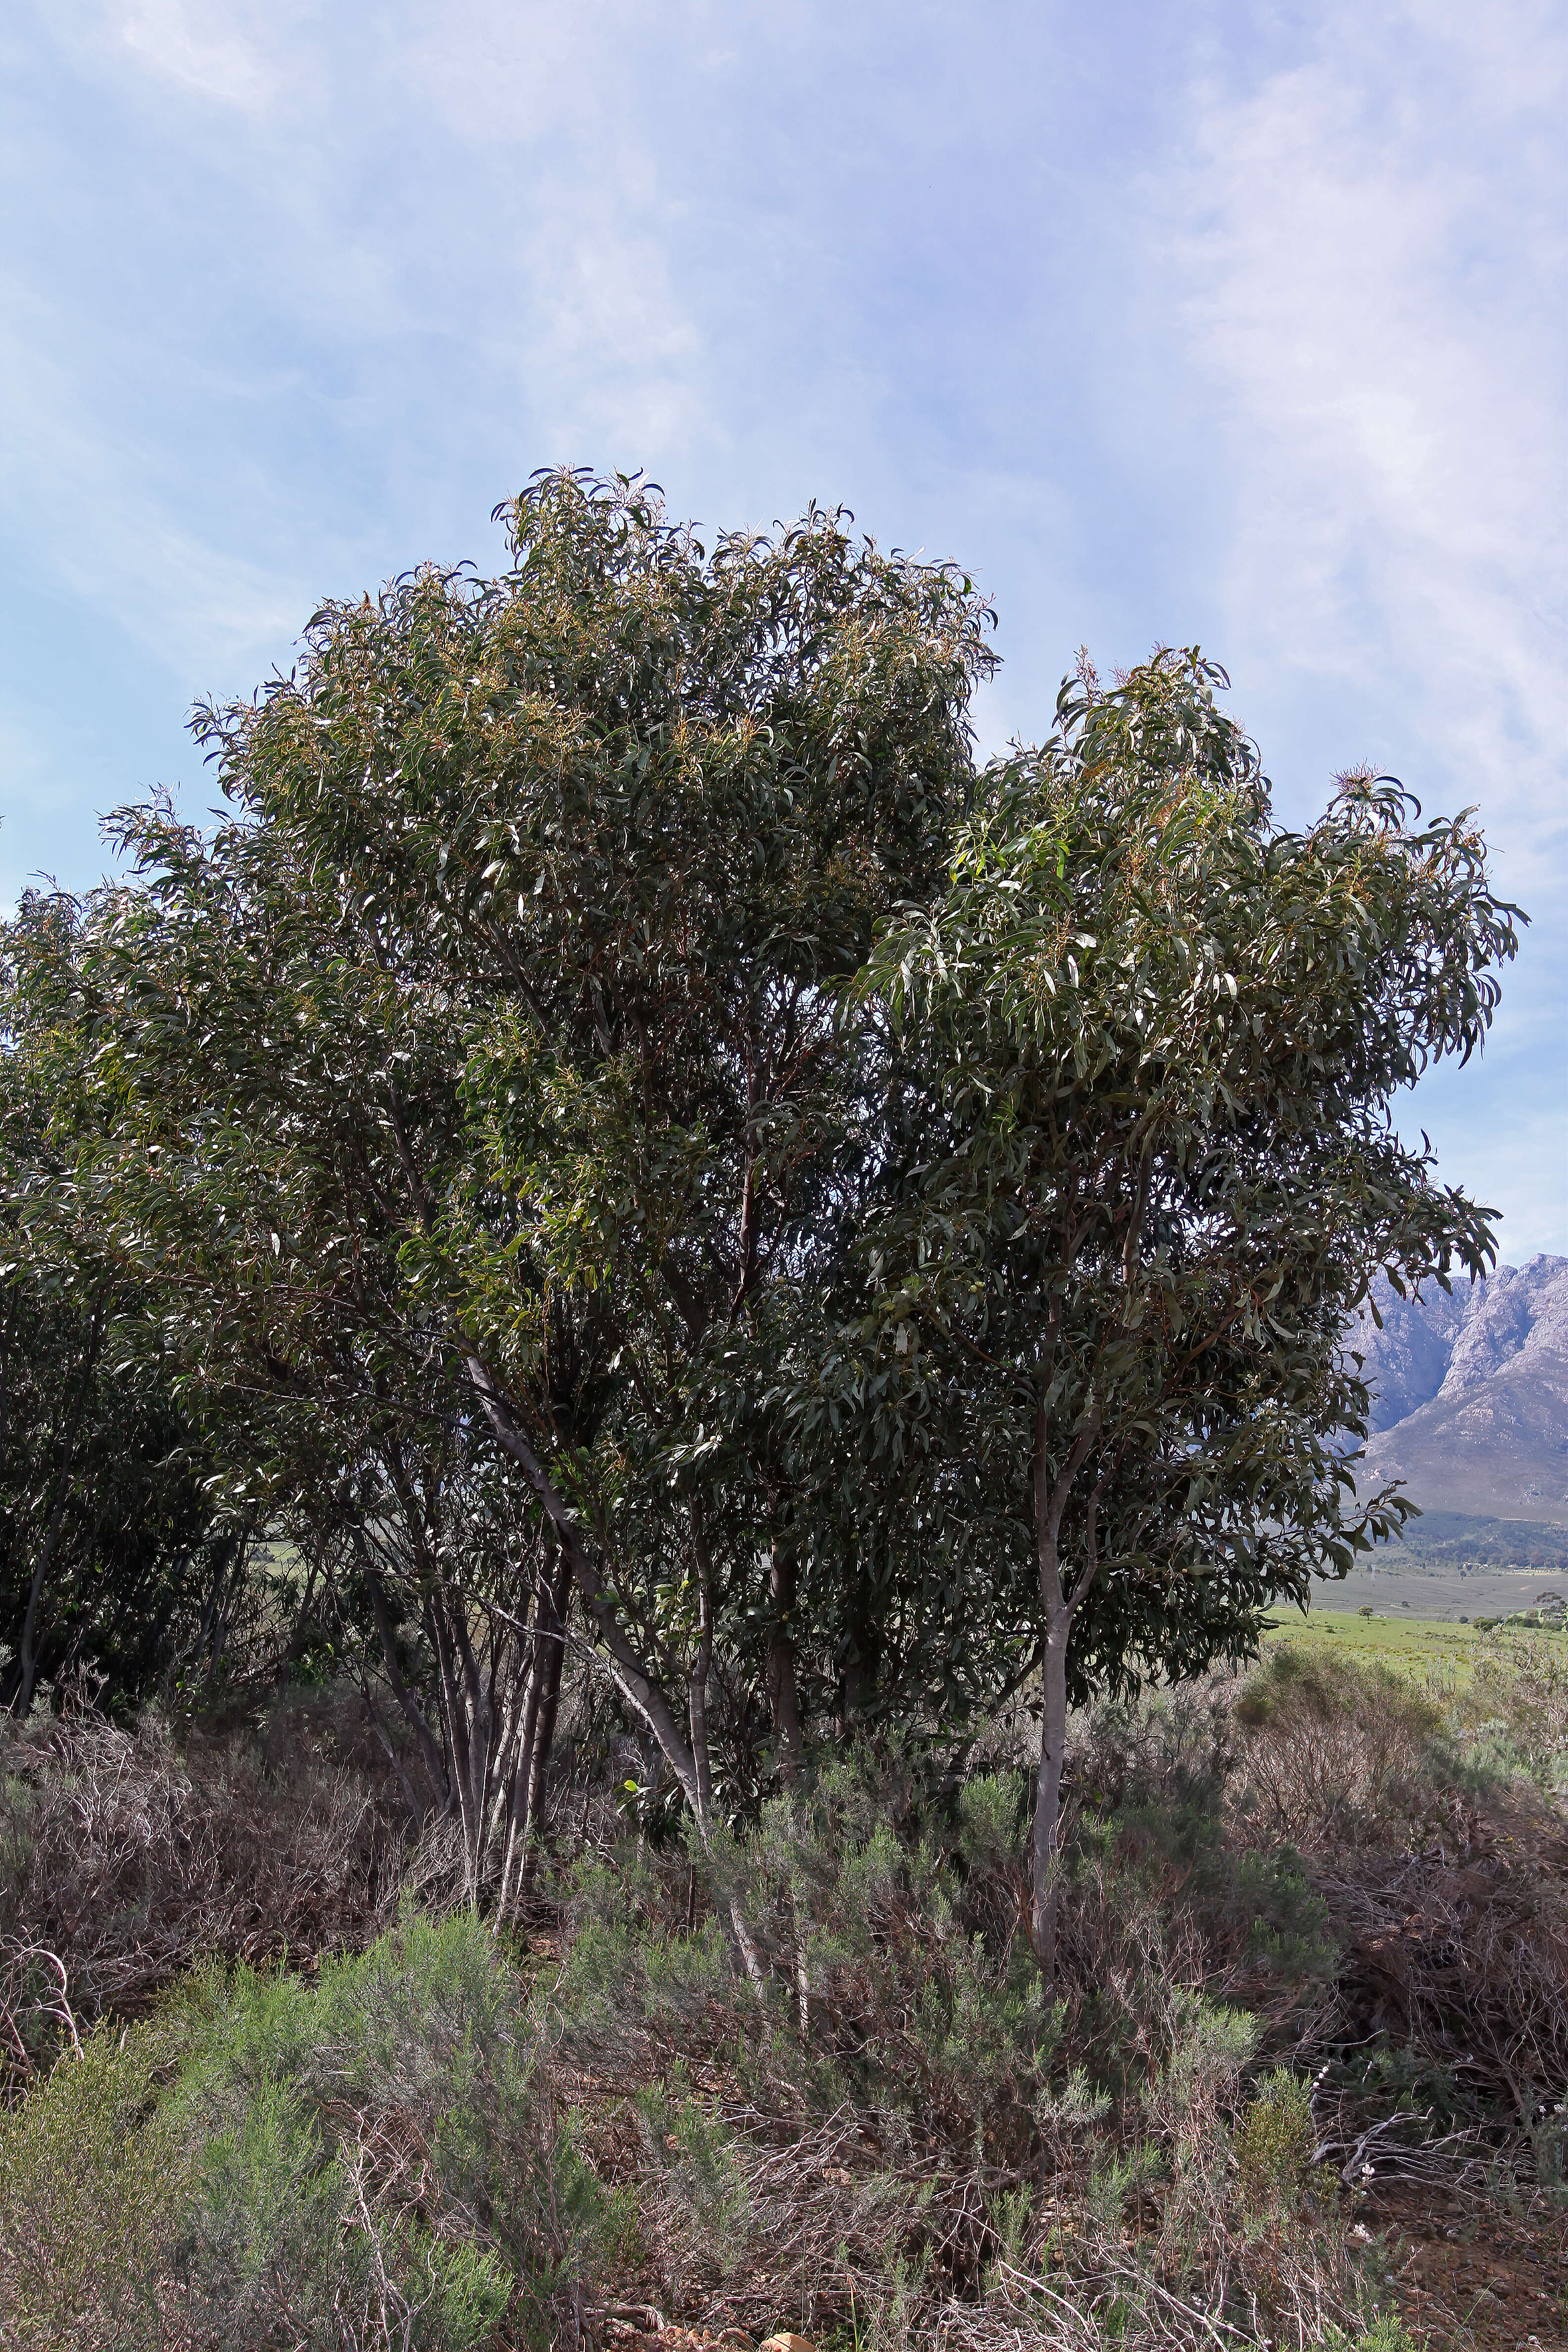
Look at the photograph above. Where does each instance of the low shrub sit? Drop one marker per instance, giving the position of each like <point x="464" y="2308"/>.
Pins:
<point x="92" y="2179"/>
<point x="893" y="1973"/>
<point x="370" y="2158"/>
<point x="892" y="2122"/>
<point x="1273" y="2140"/>
<point x="1155" y="1836"/>
<point x="1513" y="1713"/>
<point x="808" y="2072"/>
<point x="1444" y="2034"/>
<point x="1336" y="1753"/>
<point x="381" y="2142"/>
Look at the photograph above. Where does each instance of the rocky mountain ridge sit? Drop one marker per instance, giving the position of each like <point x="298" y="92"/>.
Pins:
<point x="1470" y="1391"/>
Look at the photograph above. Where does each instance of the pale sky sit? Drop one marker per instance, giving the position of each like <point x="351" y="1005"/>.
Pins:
<point x="1237" y="325"/>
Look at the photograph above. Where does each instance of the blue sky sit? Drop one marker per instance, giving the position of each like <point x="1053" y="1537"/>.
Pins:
<point x="1240" y="325"/>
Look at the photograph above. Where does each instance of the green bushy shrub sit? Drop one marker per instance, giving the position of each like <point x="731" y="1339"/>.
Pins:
<point x="1513" y="1714"/>
<point x="92" y="2179"/>
<point x="688" y="2152"/>
<point x="379" y="2142"/>
<point x="895" y="1976"/>
<point x="1386" y="2332"/>
<point x="370" y="2158"/>
<point x="1274" y="2140"/>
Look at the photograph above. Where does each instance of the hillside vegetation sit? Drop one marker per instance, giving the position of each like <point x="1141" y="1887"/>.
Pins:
<point x="1301" y="2079"/>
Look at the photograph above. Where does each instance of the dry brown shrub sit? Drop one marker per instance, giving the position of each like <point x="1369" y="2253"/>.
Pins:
<point x="1333" y="1752"/>
<point x="1462" y="1962"/>
<point x="1447" y="1891"/>
<point x="131" y="1860"/>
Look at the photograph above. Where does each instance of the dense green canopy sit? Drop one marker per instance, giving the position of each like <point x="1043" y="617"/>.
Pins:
<point x="1150" y="1168"/>
<point x="622" y="1135"/>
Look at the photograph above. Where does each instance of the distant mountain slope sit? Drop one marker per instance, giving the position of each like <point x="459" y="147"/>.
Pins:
<point x="1471" y="1392"/>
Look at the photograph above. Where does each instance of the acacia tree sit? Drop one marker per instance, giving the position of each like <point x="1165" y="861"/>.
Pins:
<point x="1148" y="1182"/>
<point x="480" y="1070"/>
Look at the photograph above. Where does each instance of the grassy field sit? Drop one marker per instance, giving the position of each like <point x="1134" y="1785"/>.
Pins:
<point x="1399" y="1637"/>
<point x="1449" y="1567"/>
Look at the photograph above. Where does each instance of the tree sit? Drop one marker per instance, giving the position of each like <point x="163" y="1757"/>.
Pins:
<point x="114" y="1554"/>
<point x="481" y="1071"/>
<point x="629" y="1138"/>
<point x="1126" y="1223"/>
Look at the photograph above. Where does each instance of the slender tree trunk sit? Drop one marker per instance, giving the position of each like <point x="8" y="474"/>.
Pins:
<point x="480" y="1730"/>
<point x="637" y="1682"/>
<point x="1050" y="1500"/>
<point x="1042" y="1872"/>
<point x="518" y="1801"/>
<point x="701" y="1665"/>
<point x="784" y="1697"/>
<point x="219" y="1615"/>
<point x="300" y="1635"/>
<point x="27" y="1650"/>
<point x="440" y="1784"/>
<point x="555" y="1599"/>
<point x="697" y="1700"/>
<point x="469" y="1798"/>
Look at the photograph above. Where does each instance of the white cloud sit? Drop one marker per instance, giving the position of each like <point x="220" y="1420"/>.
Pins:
<point x="308" y="286"/>
<point x="205" y="48"/>
<point x="510" y="71"/>
<point x="1367" y="238"/>
<point x="238" y="55"/>
<point x="554" y="93"/>
<point x="115" y="534"/>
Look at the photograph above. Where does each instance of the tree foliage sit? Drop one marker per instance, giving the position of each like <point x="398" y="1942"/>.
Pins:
<point x="115" y="1559"/>
<point x="627" y="1138"/>
<point x="1153" y="1167"/>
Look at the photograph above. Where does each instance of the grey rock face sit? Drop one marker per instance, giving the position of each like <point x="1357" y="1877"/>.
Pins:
<point x="1408" y="1361"/>
<point x="1471" y="1392"/>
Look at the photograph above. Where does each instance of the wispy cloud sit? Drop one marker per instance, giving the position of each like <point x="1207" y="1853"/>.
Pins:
<point x="197" y="602"/>
<point x="229" y="55"/>
<point x="1368" y="234"/>
<point x="237" y="57"/>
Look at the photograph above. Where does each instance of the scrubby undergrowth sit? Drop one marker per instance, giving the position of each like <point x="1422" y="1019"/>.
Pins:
<point x="1314" y="1960"/>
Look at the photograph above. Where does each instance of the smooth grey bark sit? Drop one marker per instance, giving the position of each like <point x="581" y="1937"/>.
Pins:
<point x="635" y="1681"/>
<point x="701" y="1666"/>
<point x="538" y="1733"/>
<point x="1050" y="1502"/>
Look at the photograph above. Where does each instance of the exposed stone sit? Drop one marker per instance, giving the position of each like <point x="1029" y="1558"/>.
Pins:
<point x="1471" y="1392"/>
